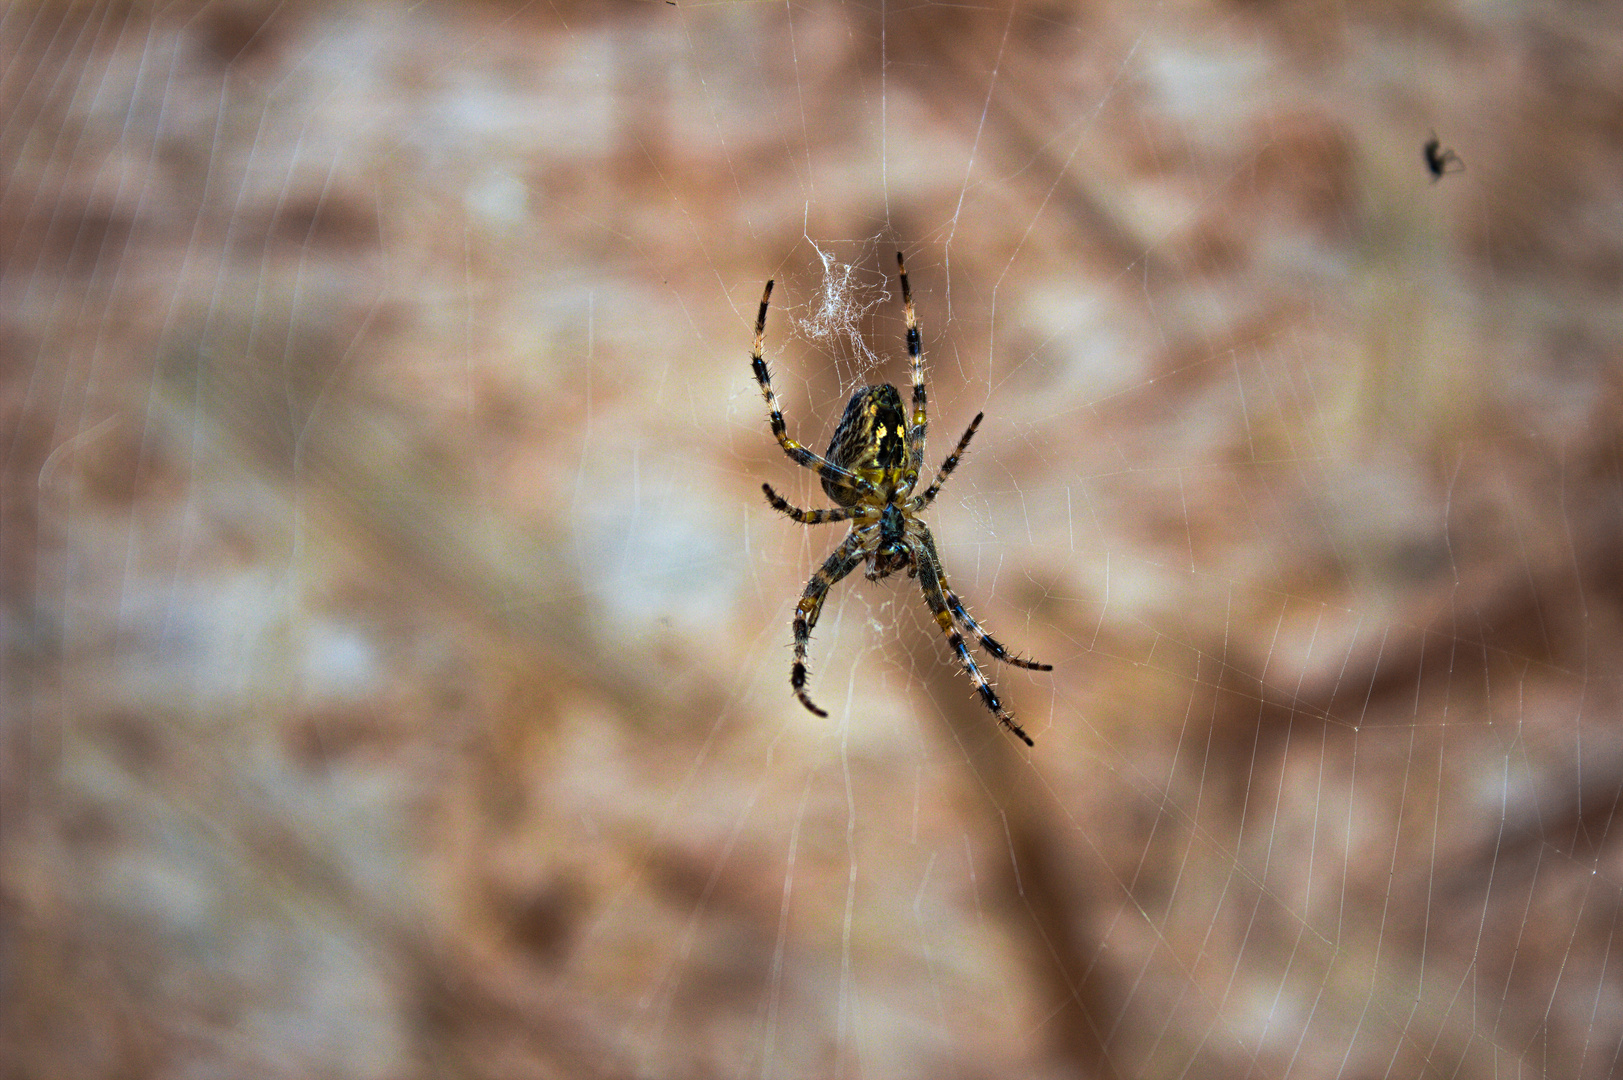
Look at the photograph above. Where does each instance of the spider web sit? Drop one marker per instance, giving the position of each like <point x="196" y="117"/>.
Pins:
<point x="396" y="643"/>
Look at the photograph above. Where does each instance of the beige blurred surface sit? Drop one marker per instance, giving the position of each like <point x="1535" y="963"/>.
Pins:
<point x="396" y="643"/>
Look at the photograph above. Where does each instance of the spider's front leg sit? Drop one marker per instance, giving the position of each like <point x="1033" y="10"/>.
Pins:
<point x="956" y="606"/>
<point x="930" y="580"/>
<point x="845" y="558"/>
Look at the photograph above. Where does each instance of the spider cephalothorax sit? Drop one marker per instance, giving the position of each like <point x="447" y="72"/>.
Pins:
<point x="871" y="468"/>
<point x="893" y="553"/>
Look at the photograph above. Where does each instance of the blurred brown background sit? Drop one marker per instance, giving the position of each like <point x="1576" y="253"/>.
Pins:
<point x="396" y="643"/>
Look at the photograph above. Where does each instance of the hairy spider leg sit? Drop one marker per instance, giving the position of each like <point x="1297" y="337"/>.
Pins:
<point x="931" y="580"/>
<point x="915" y="355"/>
<point x="844" y="559"/>
<point x="947" y="466"/>
<point x="992" y="645"/>
<point x="816" y="517"/>
<point x="800" y="454"/>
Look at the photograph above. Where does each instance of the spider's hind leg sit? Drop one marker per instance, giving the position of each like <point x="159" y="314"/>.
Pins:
<point x="799" y="454"/>
<point x="915" y="355"/>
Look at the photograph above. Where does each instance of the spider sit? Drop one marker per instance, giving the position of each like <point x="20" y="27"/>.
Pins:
<point x="1439" y="158"/>
<point x="870" y="470"/>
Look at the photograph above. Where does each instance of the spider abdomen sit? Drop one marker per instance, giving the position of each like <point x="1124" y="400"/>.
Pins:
<point x="871" y="441"/>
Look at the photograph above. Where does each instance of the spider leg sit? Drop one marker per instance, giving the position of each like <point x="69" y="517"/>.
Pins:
<point x="915" y="435"/>
<point x="991" y="644"/>
<point x="841" y="562"/>
<point x="947" y="466"/>
<point x="800" y="454"/>
<point x="813" y="517"/>
<point x="931" y="581"/>
<point x="987" y="641"/>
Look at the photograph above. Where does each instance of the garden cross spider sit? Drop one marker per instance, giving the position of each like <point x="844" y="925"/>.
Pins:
<point x="871" y="468"/>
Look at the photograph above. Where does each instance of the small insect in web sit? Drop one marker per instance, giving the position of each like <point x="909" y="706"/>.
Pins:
<point x="1440" y="160"/>
<point x="871" y="469"/>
